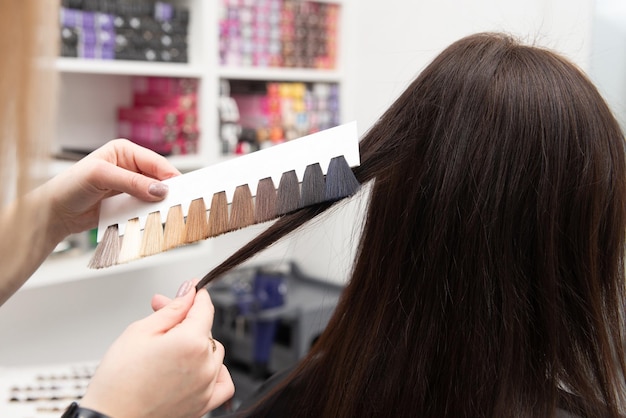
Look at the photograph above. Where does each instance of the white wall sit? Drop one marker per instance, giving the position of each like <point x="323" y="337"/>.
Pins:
<point x="390" y="42"/>
<point x="608" y="57"/>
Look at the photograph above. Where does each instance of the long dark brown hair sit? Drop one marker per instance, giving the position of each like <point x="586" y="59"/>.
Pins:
<point x="489" y="279"/>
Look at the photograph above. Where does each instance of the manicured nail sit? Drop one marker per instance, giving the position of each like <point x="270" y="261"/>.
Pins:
<point x="184" y="289"/>
<point x="158" y="189"/>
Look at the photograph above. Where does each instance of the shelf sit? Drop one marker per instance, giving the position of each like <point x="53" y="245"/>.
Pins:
<point x="280" y="74"/>
<point x="119" y="67"/>
<point x="182" y="162"/>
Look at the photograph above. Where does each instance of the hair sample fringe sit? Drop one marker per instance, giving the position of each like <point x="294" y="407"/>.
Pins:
<point x="131" y="242"/>
<point x="340" y="180"/>
<point x="242" y="209"/>
<point x="315" y="193"/>
<point x="218" y="215"/>
<point x="106" y="255"/>
<point x="265" y="201"/>
<point x="153" y="240"/>
<point x="313" y="185"/>
<point x="288" y="195"/>
<point x="197" y="227"/>
<point x="174" y="231"/>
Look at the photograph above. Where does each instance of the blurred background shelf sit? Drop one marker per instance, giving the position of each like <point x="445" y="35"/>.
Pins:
<point x="130" y="68"/>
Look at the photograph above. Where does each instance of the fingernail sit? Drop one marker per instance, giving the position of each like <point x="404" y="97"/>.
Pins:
<point x="158" y="189"/>
<point x="184" y="288"/>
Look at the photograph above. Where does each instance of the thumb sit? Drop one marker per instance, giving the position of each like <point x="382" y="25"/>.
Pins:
<point x="174" y="312"/>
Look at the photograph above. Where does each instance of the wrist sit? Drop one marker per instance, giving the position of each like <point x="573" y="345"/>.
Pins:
<point x="75" y="411"/>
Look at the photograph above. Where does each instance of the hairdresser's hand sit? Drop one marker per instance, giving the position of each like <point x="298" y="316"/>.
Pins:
<point x="118" y="166"/>
<point x="164" y="365"/>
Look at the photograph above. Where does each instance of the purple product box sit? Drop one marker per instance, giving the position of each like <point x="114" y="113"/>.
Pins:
<point x="163" y="11"/>
<point x="87" y="51"/>
<point x="88" y="37"/>
<point x="69" y="17"/>
<point x="107" y="52"/>
<point x="106" y="38"/>
<point x="105" y="21"/>
<point x="88" y="20"/>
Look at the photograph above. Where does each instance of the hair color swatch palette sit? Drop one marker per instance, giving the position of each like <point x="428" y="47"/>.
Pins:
<point x="250" y="189"/>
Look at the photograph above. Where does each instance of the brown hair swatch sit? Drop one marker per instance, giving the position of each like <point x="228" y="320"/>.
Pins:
<point x="288" y="195"/>
<point x="196" y="227"/>
<point x="265" y="200"/>
<point x="218" y="215"/>
<point x="242" y="208"/>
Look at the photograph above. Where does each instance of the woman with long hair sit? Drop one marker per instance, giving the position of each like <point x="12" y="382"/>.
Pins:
<point x="489" y="277"/>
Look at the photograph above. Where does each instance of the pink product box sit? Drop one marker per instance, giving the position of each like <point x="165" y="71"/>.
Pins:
<point x="253" y="110"/>
<point x="154" y="115"/>
<point x="164" y="85"/>
<point x="148" y="135"/>
<point x="184" y="146"/>
<point x="175" y="101"/>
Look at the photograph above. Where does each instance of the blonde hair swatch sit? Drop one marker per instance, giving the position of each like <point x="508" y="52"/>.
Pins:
<point x="131" y="243"/>
<point x="152" y="241"/>
<point x="174" y="231"/>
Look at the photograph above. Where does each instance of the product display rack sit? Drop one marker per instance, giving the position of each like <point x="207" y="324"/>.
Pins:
<point x="91" y="90"/>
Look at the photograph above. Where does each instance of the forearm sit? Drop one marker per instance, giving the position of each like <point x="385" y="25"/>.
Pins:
<point x="29" y="236"/>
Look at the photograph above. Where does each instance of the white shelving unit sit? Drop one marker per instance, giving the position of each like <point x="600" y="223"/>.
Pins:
<point x="92" y="90"/>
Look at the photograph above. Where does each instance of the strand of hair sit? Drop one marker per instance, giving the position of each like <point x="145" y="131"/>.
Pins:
<point x="283" y="226"/>
<point x="174" y="231"/>
<point x="313" y="185"/>
<point x="242" y="209"/>
<point x="108" y="249"/>
<point x="265" y="201"/>
<point x="196" y="227"/>
<point x="288" y="195"/>
<point x="153" y="241"/>
<point x="131" y="242"/>
<point x="218" y="215"/>
<point x="340" y="180"/>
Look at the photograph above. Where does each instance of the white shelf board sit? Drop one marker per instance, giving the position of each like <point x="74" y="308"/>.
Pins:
<point x="120" y="67"/>
<point x="280" y="74"/>
<point x="182" y="162"/>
